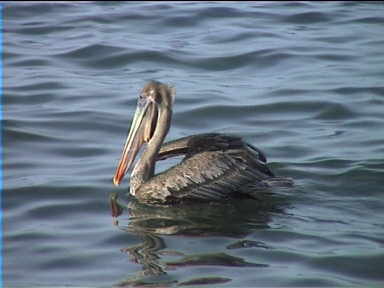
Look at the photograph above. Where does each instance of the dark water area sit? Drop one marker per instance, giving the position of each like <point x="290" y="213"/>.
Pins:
<point x="303" y="81"/>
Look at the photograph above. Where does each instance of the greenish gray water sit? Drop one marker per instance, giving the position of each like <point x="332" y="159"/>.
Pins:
<point x="303" y="81"/>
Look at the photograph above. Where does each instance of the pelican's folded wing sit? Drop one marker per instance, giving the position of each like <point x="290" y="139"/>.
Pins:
<point x="194" y="144"/>
<point x="207" y="175"/>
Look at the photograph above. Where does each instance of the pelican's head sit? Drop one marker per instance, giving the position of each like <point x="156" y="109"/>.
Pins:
<point x="154" y="99"/>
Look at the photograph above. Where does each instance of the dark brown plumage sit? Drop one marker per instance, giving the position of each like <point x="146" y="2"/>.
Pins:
<point x="215" y="166"/>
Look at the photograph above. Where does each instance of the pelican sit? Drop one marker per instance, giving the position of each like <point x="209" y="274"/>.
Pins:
<point x="215" y="166"/>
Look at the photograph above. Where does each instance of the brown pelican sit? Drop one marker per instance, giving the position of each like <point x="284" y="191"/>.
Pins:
<point x="215" y="166"/>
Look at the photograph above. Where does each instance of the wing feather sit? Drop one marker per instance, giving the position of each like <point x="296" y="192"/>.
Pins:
<point x="207" y="175"/>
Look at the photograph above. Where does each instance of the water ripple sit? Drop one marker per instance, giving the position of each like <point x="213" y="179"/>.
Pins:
<point x="300" y="80"/>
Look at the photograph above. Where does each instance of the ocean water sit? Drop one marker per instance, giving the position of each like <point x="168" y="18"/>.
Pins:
<point x="303" y="81"/>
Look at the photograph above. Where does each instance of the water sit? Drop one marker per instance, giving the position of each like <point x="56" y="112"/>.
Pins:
<point x="303" y="81"/>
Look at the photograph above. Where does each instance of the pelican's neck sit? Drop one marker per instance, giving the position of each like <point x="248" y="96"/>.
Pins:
<point x="145" y="167"/>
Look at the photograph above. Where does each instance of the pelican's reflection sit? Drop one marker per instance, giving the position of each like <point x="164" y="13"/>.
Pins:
<point x="235" y="220"/>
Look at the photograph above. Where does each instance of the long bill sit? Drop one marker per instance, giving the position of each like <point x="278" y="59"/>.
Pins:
<point x="136" y="138"/>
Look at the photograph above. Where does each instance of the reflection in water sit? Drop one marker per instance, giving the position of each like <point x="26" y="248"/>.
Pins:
<point x="146" y="254"/>
<point x="235" y="220"/>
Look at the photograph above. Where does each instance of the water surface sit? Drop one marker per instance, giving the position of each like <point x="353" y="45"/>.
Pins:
<point x="303" y="81"/>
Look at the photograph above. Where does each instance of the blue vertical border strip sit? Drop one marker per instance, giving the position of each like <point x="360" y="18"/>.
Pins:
<point x="1" y="145"/>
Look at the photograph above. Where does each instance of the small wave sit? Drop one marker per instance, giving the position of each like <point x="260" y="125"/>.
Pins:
<point x="307" y="18"/>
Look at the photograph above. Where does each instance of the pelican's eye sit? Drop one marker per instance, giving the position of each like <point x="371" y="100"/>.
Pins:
<point x="142" y="99"/>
